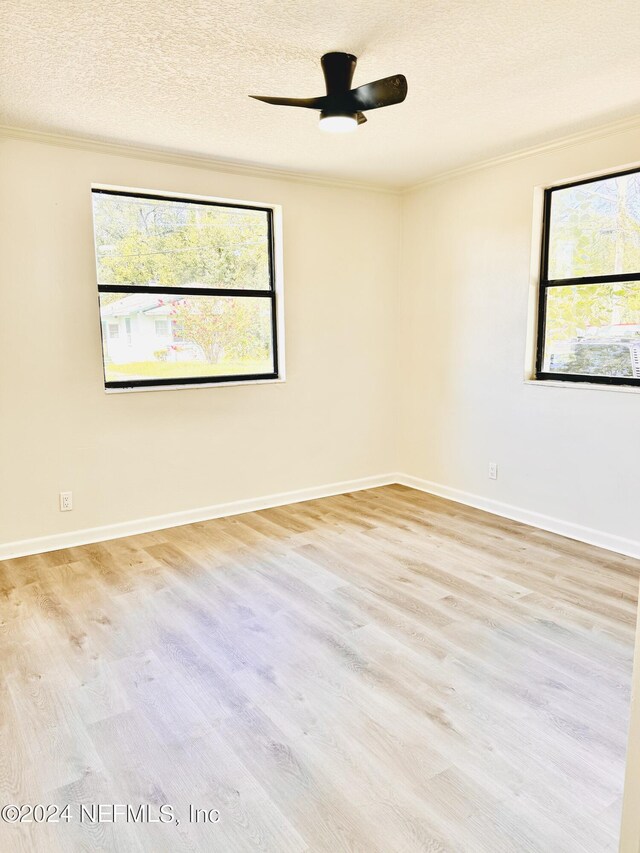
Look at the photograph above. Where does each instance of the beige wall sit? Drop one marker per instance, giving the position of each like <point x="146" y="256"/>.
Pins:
<point x="129" y="456"/>
<point x="425" y="377"/>
<point x="568" y="453"/>
<point x="402" y="357"/>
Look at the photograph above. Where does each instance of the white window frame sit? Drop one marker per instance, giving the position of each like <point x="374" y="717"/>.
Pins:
<point x="533" y="299"/>
<point x="278" y="284"/>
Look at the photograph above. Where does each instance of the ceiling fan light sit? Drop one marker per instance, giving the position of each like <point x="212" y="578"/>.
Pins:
<point x="338" y="123"/>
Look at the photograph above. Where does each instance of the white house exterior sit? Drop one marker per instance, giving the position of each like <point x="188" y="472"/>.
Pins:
<point x="141" y="327"/>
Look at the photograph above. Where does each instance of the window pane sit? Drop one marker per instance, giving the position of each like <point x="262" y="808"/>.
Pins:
<point x="595" y="228"/>
<point x="174" y="337"/>
<point x="179" y="243"/>
<point x="593" y="329"/>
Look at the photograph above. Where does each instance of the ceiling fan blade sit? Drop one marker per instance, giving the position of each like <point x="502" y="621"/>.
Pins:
<point x="309" y="103"/>
<point x="361" y="118"/>
<point x="380" y="93"/>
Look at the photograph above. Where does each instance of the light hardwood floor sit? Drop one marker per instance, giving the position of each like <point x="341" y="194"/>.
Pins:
<point x="379" y="671"/>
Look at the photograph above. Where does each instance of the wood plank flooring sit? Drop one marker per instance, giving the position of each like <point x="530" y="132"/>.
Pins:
<point x="379" y="671"/>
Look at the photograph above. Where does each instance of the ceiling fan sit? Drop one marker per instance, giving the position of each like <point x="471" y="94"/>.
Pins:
<point x="342" y="108"/>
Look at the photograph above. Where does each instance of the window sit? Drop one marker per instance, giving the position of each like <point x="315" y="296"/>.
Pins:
<point x="589" y="306"/>
<point x="194" y="281"/>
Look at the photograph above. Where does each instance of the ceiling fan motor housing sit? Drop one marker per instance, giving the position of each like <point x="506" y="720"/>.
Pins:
<point x="338" y="69"/>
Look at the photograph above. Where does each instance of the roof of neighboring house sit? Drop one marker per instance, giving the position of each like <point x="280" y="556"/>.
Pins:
<point x="140" y="303"/>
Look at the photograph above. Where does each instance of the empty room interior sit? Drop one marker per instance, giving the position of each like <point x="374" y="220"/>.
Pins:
<point x="320" y="426"/>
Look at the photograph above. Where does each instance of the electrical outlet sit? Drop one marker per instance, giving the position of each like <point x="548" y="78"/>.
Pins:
<point x="493" y="470"/>
<point x="66" y="501"/>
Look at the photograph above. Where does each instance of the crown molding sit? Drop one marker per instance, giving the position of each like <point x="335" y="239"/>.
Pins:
<point x="177" y="158"/>
<point x="602" y="131"/>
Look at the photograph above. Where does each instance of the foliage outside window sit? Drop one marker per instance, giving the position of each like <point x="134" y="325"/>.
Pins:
<point x="189" y="284"/>
<point x="589" y="318"/>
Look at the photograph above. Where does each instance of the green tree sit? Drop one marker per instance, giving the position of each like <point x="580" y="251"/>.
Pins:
<point x="173" y="244"/>
<point x="225" y="327"/>
<point x="595" y="230"/>
<point x="178" y="244"/>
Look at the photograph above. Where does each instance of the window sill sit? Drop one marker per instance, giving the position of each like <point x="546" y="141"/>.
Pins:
<point x="585" y="386"/>
<point x="136" y="389"/>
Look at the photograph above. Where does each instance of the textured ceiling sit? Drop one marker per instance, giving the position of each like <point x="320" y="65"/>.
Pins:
<point x="485" y="77"/>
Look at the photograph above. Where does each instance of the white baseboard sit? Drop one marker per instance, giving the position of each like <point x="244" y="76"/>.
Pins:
<point x="619" y="544"/>
<point x="41" y="544"/>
